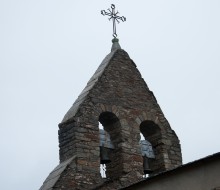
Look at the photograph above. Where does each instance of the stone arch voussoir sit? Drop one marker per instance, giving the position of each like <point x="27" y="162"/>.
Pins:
<point x="101" y="108"/>
<point x="151" y="117"/>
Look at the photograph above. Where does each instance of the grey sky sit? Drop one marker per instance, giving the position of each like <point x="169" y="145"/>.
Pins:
<point x="50" y="49"/>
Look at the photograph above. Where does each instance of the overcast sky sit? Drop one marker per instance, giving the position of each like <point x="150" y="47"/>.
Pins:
<point x="49" y="49"/>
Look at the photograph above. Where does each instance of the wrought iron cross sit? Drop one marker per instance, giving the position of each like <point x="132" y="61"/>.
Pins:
<point x="113" y="15"/>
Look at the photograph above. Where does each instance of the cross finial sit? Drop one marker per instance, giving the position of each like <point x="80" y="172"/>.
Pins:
<point x="113" y="15"/>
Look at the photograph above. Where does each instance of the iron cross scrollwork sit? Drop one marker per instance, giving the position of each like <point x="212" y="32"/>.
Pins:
<point x="113" y="15"/>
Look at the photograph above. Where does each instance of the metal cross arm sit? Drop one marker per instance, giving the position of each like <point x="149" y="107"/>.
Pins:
<point x="113" y="15"/>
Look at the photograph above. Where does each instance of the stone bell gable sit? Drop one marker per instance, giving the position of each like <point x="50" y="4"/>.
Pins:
<point x="117" y="97"/>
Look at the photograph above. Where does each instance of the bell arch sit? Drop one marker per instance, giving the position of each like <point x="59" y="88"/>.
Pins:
<point x="153" y="135"/>
<point x="112" y="127"/>
<point x="149" y="129"/>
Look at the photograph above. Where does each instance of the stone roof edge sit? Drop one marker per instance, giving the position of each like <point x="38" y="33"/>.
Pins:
<point x="187" y="165"/>
<point x="69" y="116"/>
<point x="54" y="176"/>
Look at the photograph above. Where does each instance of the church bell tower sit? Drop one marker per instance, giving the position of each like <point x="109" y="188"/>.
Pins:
<point x="118" y="98"/>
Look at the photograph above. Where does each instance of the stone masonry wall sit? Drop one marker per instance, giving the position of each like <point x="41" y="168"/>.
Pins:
<point x="121" y="91"/>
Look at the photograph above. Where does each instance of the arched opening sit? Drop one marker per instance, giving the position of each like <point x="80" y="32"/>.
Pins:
<point x="150" y="135"/>
<point x="105" y="147"/>
<point x="109" y="130"/>
<point x="149" y="129"/>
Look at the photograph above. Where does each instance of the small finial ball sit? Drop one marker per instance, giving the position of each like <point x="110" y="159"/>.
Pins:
<point x="115" y="40"/>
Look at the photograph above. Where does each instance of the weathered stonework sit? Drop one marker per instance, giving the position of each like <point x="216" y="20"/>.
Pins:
<point x="118" y="97"/>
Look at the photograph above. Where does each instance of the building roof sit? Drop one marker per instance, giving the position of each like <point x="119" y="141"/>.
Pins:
<point x="192" y="164"/>
<point x="55" y="175"/>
